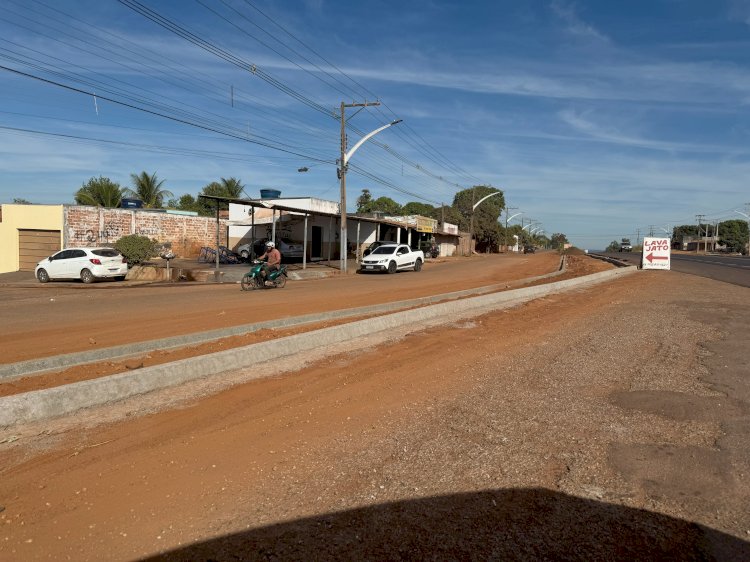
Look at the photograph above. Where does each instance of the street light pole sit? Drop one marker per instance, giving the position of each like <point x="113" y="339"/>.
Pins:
<point x="344" y="164"/>
<point x="473" y="207"/>
<point x="507" y="220"/>
<point x="505" y="234"/>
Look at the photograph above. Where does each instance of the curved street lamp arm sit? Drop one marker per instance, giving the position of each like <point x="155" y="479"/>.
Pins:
<point x="514" y="216"/>
<point x="486" y="197"/>
<point x="365" y="138"/>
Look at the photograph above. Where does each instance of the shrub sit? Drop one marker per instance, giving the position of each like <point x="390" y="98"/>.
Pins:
<point x="137" y="248"/>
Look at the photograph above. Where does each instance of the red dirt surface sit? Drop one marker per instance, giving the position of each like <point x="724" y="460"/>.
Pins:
<point x="320" y="295"/>
<point x="489" y="438"/>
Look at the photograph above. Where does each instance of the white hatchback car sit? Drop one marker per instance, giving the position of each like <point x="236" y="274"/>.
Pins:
<point x="86" y="264"/>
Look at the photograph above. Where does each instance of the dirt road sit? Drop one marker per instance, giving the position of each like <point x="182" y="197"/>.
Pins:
<point x="608" y="423"/>
<point x="67" y="317"/>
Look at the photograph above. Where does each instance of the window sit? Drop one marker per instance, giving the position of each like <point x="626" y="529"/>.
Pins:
<point x="106" y="253"/>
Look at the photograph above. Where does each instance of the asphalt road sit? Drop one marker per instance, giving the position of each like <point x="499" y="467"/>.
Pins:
<point x="730" y="269"/>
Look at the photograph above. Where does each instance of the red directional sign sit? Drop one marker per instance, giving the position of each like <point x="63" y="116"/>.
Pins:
<point x="656" y="253"/>
<point x="651" y="257"/>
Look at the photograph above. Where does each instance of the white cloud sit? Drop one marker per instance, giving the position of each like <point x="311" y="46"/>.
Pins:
<point x="607" y="133"/>
<point x="575" y="25"/>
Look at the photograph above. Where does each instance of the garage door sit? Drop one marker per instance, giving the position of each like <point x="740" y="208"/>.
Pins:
<point x="35" y="245"/>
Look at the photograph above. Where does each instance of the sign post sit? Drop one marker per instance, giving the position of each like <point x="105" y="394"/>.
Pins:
<point x="656" y="253"/>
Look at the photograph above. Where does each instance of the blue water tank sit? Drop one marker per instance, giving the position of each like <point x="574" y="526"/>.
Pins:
<point x="131" y="204"/>
<point x="270" y="193"/>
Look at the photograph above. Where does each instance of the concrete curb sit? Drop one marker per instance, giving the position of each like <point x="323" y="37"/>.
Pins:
<point x="12" y="371"/>
<point x="59" y="401"/>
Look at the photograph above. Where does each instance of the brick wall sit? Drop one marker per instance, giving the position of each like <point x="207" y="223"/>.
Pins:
<point x="96" y="226"/>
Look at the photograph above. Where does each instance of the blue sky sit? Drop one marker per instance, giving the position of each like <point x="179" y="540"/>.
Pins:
<point x="597" y="119"/>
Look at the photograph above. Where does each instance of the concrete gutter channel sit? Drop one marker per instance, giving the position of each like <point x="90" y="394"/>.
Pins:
<point x="59" y="401"/>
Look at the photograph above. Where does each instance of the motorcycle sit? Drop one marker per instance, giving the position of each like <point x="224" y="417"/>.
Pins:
<point x="253" y="279"/>
<point x="431" y="251"/>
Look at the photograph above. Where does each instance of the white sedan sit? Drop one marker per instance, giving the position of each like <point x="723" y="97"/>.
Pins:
<point x="86" y="264"/>
<point x="391" y="258"/>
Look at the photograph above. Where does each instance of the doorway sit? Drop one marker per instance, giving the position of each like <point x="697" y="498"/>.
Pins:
<point x="316" y="248"/>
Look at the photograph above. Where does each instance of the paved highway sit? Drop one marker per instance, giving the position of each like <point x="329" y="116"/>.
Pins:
<point x="730" y="269"/>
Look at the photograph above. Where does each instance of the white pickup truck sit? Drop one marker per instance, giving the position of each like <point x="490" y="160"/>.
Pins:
<point x="391" y="258"/>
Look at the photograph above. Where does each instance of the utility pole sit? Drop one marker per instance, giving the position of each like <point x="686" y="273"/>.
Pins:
<point x="342" y="176"/>
<point x="716" y="234"/>
<point x="507" y="212"/>
<point x="699" y="220"/>
<point x="637" y="236"/>
<point x="471" y="224"/>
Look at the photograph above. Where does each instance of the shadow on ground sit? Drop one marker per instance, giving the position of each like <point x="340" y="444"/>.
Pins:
<point x="521" y="524"/>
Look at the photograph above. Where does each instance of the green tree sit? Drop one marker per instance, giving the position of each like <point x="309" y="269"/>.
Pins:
<point x="364" y="202"/>
<point x="543" y="241"/>
<point x="559" y="240"/>
<point x="148" y="188"/>
<point x="231" y="188"/>
<point x="189" y="203"/>
<point x="20" y="201"/>
<point x="415" y="208"/>
<point x="614" y="246"/>
<point x="684" y="230"/>
<point x="446" y="213"/>
<point x="733" y="234"/>
<point x="100" y="192"/>
<point x="386" y="205"/>
<point x="487" y="231"/>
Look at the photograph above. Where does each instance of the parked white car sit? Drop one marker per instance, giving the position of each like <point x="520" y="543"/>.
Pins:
<point x="391" y="258"/>
<point x="86" y="264"/>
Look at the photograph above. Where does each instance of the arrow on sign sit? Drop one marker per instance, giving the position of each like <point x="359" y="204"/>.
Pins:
<point x="651" y="257"/>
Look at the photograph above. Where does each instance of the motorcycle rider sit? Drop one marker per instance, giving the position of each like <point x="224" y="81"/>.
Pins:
<point x="272" y="257"/>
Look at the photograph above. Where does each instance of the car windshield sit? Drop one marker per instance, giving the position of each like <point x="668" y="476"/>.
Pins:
<point x="106" y="253"/>
<point x="384" y="250"/>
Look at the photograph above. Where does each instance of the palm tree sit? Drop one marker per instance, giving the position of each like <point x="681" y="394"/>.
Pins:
<point x="100" y="192"/>
<point x="148" y="189"/>
<point x="232" y="187"/>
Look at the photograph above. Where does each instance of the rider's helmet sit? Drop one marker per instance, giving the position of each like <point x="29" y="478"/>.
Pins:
<point x="270" y="244"/>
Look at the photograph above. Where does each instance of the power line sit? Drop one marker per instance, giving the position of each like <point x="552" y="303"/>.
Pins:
<point x="199" y="118"/>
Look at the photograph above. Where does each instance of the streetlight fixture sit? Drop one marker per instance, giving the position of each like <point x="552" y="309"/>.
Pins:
<point x="471" y="224"/>
<point x="344" y="163"/>
<point x="507" y="220"/>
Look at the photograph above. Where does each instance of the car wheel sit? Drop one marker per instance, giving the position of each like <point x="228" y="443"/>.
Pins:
<point x="392" y="267"/>
<point x="245" y="255"/>
<point x="42" y="276"/>
<point x="87" y="276"/>
<point x="120" y="278"/>
<point x="418" y="265"/>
